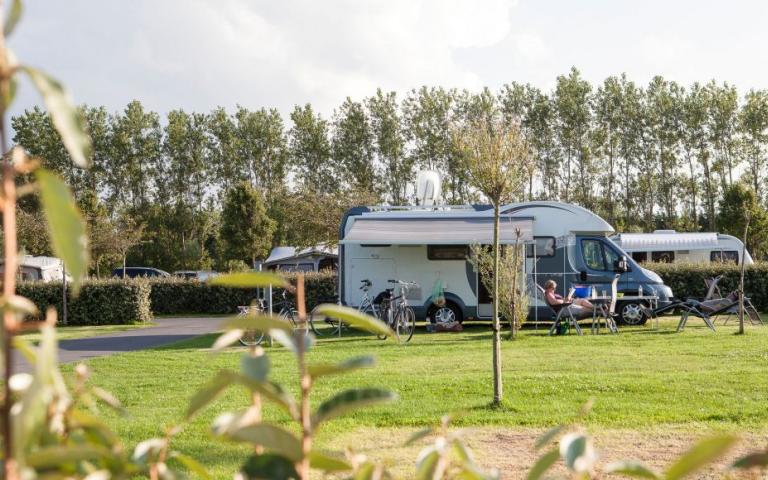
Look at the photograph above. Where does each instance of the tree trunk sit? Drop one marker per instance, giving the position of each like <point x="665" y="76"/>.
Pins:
<point x="741" y="278"/>
<point x="497" y="385"/>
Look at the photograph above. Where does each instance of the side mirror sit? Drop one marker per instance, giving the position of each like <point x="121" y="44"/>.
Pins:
<point x="582" y="276"/>
<point x="621" y="265"/>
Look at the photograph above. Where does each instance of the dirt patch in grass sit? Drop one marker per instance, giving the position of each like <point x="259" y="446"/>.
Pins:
<point x="511" y="450"/>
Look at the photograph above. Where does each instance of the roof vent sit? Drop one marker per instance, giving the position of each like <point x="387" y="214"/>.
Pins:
<point x="664" y="231"/>
<point x="428" y="188"/>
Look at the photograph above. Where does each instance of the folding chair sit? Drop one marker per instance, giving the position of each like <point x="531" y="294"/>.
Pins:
<point x="609" y="313"/>
<point x="749" y="309"/>
<point x="713" y="291"/>
<point x="706" y="310"/>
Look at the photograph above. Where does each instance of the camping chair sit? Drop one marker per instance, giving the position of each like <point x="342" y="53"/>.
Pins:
<point x="561" y="310"/>
<point x="749" y="309"/>
<point x="707" y="310"/>
<point x="608" y="312"/>
<point x="713" y="291"/>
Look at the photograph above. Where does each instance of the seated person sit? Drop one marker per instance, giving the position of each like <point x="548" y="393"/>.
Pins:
<point x="578" y="306"/>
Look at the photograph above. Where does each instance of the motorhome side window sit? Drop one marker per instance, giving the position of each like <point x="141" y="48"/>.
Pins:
<point x="545" y="247"/>
<point x="726" y="256"/>
<point x="447" y="252"/>
<point x="663" y="257"/>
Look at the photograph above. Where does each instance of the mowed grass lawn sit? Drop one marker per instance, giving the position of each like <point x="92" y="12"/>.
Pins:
<point x="639" y="379"/>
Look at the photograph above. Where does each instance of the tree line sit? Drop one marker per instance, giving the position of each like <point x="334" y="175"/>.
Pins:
<point x="214" y="190"/>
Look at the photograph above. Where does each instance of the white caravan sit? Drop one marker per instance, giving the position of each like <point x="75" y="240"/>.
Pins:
<point x="430" y="245"/>
<point x="670" y="246"/>
<point x="39" y="269"/>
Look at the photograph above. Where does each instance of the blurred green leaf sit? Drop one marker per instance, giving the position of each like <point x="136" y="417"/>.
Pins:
<point x="55" y="456"/>
<point x="66" y="226"/>
<point x="26" y="349"/>
<point x="18" y="304"/>
<point x="704" y="452"/>
<point x="255" y="368"/>
<point x="273" y="467"/>
<point x="350" y="400"/>
<point x="631" y="469"/>
<point x="354" y="318"/>
<point x="259" y="323"/>
<point x="543" y="464"/>
<point x="191" y="464"/>
<point x="548" y="437"/>
<point x="14" y="15"/>
<point x="473" y="472"/>
<point x="327" y="463"/>
<point x="270" y="391"/>
<point x="342" y="367"/>
<point x="209" y="392"/>
<point x="108" y="399"/>
<point x="290" y="340"/>
<point x="271" y="437"/>
<point x="148" y="450"/>
<point x="462" y="452"/>
<point x="418" y="435"/>
<point x="250" y="280"/>
<point x="227" y="338"/>
<point x="365" y="471"/>
<point x="10" y="94"/>
<point x="66" y="118"/>
<point x="427" y="464"/>
<point x="752" y="460"/>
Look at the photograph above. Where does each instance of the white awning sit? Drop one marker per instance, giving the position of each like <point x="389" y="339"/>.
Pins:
<point x="437" y="231"/>
<point x="649" y="242"/>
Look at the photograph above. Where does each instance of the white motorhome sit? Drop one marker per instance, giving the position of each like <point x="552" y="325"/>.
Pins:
<point x="430" y="244"/>
<point x="670" y="246"/>
<point x="39" y="269"/>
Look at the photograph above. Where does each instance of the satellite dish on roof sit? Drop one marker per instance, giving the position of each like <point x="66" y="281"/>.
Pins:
<point x="428" y="188"/>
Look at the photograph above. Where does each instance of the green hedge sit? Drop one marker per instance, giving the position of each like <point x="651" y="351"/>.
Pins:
<point x="101" y="302"/>
<point x="687" y="279"/>
<point x="176" y="296"/>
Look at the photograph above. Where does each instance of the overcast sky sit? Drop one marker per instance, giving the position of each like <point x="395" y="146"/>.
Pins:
<point x="199" y="54"/>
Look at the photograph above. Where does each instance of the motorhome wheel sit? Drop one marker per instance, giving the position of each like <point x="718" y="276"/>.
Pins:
<point x="447" y="313"/>
<point x="632" y="314"/>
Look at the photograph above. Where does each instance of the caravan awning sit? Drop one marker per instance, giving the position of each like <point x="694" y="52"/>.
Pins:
<point x="649" y="242"/>
<point x="437" y="231"/>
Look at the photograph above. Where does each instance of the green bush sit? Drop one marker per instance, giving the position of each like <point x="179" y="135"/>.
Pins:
<point x="687" y="279"/>
<point x="171" y="296"/>
<point x="101" y="302"/>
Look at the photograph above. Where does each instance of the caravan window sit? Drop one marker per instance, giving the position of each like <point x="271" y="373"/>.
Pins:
<point x="545" y="247"/>
<point x="663" y="257"/>
<point x="725" y="256"/>
<point x="640" y="257"/>
<point x="447" y="252"/>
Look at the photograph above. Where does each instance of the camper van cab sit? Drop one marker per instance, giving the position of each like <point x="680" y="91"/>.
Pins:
<point x="669" y="246"/>
<point x="431" y="246"/>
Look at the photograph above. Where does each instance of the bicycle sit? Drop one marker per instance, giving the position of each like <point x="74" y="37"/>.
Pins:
<point x="284" y="309"/>
<point x="251" y="338"/>
<point x="396" y="313"/>
<point x="324" y="326"/>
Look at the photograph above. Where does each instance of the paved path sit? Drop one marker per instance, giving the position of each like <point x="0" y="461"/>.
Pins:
<point x="168" y="330"/>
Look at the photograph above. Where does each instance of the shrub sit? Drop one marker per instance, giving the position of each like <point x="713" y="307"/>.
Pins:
<point x="101" y="302"/>
<point x="687" y="279"/>
<point x="171" y="296"/>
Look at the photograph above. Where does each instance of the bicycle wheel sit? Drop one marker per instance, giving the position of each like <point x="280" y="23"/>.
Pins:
<point x="251" y="338"/>
<point x="384" y="315"/>
<point x="287" y="313"/>
<point x="323" y="326"/>
<point x="406" y="324"/>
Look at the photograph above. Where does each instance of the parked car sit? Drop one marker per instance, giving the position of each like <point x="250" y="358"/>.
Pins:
<point x="39" y="269"/>
<point x="199" y="275"/>
<point x="133" y="272"/>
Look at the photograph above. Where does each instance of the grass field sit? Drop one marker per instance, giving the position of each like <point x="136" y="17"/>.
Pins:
<point x="641" y="380"/>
